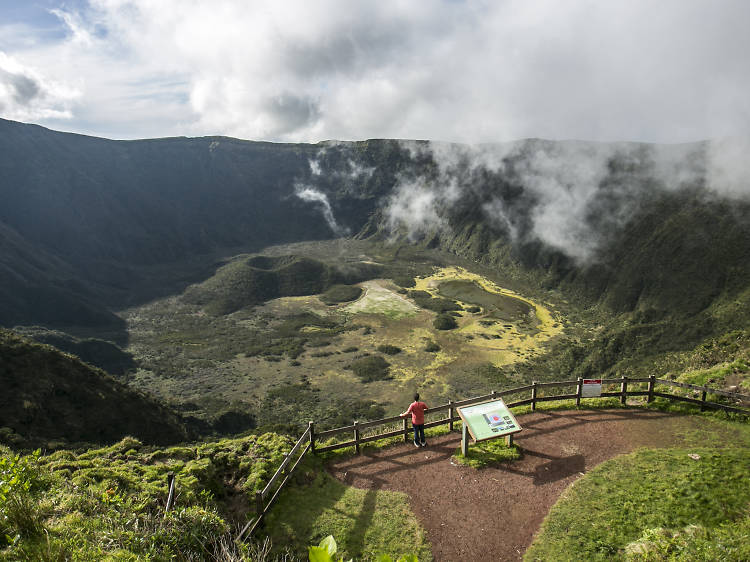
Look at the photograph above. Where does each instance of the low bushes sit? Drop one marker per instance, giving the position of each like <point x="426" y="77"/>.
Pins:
<point x="371" y="368"/>
<point x="444" y="322"/>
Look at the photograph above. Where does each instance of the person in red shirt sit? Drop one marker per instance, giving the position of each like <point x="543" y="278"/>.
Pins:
<point x="417" y="410"/>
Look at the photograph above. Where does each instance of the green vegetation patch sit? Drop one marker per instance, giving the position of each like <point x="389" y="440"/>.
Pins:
<point x="635" y="497"/>
<point x="250" y="281"/>
<point x="405" y="281"/>
<point x="366" y="523"/>
<point x="435" y="304"/>
<point x="717" y="376"/>
<point x="371" y="368"/>
<point x="290" y="406"/>
<point x="499" y="306"/>
<point x="488" y="453"/>
<point x="290" y="336"/>
<point x="389" y="349"/>
<point x="109" y="503"/>
<point x="341" y="293"/>
<point x="444" y="322"/>
<point x="432" y="347"/>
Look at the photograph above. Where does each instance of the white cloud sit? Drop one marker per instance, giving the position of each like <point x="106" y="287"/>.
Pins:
<point x="79" y="33"/>
<point x="312" y="195"/>
<point x="728" y="167"/>
<point x="27" y="95"/>
<point x="470" y="71"/>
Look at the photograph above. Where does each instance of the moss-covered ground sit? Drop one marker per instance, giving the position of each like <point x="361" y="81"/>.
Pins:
<point x="110" y="503"/>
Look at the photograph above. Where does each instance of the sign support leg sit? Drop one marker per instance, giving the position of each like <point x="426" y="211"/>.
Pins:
<point x="465" y="440"/>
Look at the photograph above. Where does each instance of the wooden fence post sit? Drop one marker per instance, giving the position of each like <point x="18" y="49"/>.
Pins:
<point x="171" y="485"/>
<point x="406" y="431"/>
<point x="494" y="394"/>
<point x="356" y="436"/>
<point x="624" y="390"/>
<point x="703" y="399"/>
<point x="311" y="427"/>
<point x="651" y="382"/>
<point x="259" y="503"/>
<point x="450" y="415"/>
<point x="533" y="396"/>
<point x="579" y="391"/>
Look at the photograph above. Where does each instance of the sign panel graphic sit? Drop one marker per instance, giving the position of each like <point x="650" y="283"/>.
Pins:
<point x="489" y="420"/>
<point x="591" y="388"/>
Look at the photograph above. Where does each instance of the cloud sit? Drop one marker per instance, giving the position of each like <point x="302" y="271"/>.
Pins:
<point x="26" y="95"/>
<point x="728" y="167"/>
<point x="78" y="29"/>
<point x="307" y="193"/>
<point x="471" y="71"/>
<point x="418" y="206"/>
<point x="571" y="195"/>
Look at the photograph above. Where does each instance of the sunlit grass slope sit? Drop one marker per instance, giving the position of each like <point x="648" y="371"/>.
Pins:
<point x="668" y="504"/>
<point x="109" y="503"/>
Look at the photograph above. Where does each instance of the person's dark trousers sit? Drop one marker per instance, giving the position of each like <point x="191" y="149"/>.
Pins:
<point x="419" y="434"/>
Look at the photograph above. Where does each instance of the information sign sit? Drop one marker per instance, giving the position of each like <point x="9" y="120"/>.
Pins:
<point x="489" y="420"/>
<point x="591" y="388"/>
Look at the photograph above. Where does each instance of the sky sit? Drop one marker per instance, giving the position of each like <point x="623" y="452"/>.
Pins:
<point x="670" y="71"/>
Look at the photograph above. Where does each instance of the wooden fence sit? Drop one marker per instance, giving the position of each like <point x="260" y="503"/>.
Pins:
<point x="360" y="433"/>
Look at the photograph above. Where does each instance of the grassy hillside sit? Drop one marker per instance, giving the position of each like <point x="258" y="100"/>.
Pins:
<point x="97" y="352"/>
<point x="109" y="503"/>
<point x="248" y="281"/>
<point x="674" y="504"/>
<point x="50" y="397"/>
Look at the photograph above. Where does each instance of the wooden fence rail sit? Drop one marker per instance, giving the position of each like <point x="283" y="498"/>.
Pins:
<point x="310" y="439"/>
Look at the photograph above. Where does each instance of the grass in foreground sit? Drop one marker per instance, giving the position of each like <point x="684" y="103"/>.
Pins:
<point x="109" y="503"/>
<point x="654" y="505"/>
<point x="366" y="523"/>
<point x="486" y="453"/>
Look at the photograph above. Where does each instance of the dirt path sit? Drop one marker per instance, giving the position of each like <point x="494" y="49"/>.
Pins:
<point x="493" y="514"/>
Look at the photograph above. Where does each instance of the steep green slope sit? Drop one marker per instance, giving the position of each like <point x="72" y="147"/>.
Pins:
<point x="676" y="273"/>
<point x="97" y="352"/>
<point x="51" y="397"/>
<point x="113" y="223"/>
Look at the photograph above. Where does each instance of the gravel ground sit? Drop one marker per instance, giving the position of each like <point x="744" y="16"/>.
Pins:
<point x="493" y="513"/>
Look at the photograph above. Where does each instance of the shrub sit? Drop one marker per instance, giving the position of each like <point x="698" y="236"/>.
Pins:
<point x="372" y="368"/>
<point x="432" y="347"/>
<point x="444" y="322"/>
<point x="404" y="281"/>
<point x="389" y="349"/>
<point x="20" y="478"/>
